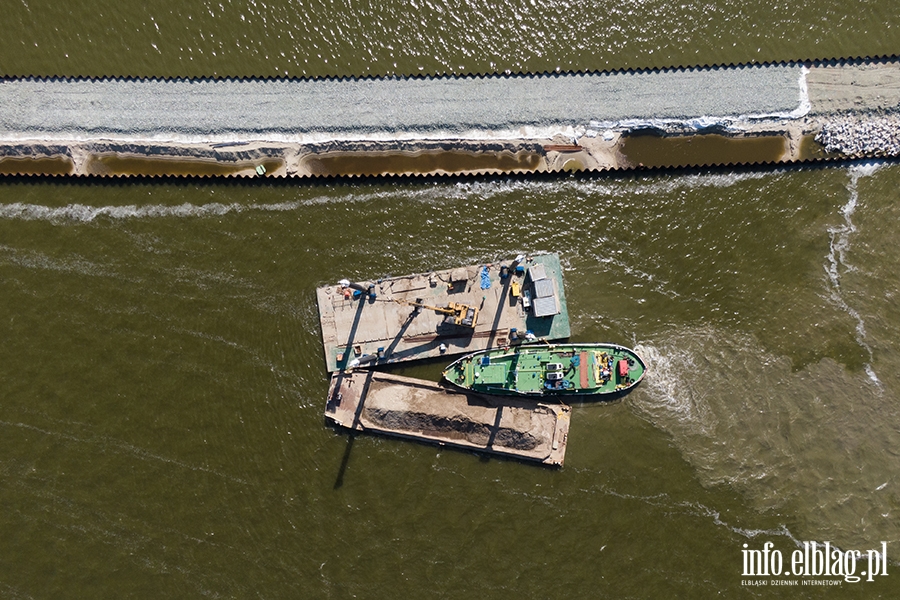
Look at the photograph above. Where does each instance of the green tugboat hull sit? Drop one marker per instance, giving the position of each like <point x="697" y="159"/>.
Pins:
<point x="542" y="370"/>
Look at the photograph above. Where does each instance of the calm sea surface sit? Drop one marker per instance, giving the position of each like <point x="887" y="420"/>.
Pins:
<point x="162" y="382"/>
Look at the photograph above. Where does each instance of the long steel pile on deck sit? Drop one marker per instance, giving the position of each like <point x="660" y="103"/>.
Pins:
<point x="705" y="116"/>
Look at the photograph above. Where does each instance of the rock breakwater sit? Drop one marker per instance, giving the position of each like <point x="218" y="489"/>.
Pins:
<point x="862" y="136"/>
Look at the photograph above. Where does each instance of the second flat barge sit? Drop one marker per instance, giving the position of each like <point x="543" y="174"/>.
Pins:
<point x="368" y="400"/>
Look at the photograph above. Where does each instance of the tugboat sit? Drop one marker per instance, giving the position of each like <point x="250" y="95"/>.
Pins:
<point x="548" y="370"/>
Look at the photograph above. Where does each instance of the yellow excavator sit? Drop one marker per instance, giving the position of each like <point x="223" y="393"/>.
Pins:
<point x="457" y="313"/>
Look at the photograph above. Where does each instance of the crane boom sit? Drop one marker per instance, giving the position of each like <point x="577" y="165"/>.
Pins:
<point x="457" y="312"/>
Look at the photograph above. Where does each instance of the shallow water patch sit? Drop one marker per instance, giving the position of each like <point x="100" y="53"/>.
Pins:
<point x="43" y="165"/>
<point x="648" y="150"/>
<point x="118" y="164"/>
<point x="421" y="162"/>
<point x="811" y="149"/>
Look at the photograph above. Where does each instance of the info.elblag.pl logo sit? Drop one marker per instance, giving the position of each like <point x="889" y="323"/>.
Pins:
<point x="813" y="560"/>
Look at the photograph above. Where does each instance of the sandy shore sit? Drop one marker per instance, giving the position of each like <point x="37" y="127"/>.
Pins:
<point x="757" y="114"/>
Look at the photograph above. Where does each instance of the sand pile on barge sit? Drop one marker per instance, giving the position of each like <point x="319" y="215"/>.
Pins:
<point x="404" y="407"/>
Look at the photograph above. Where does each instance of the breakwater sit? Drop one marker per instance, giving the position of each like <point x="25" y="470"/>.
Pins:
<point x="776" y="113"/>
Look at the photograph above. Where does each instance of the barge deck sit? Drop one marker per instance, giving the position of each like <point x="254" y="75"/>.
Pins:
<point x="368" y="400"/>
<point x="400" y="318"/>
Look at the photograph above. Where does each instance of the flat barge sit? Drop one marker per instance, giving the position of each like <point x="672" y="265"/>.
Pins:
<point x="368" y="400"/>
<point x="433" y="314"/>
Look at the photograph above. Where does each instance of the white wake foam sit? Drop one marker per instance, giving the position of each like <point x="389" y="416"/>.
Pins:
<point x="81" y="213"/>
<point x="674" y="399"/>
<point x="839" y="247"/>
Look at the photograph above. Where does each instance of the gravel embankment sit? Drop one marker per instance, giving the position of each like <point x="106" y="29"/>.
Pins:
<point x="410" y="108"/>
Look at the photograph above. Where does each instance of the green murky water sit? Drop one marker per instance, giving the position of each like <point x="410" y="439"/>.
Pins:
<point x="163" y="380"/>
<point x="320" y="37"/>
